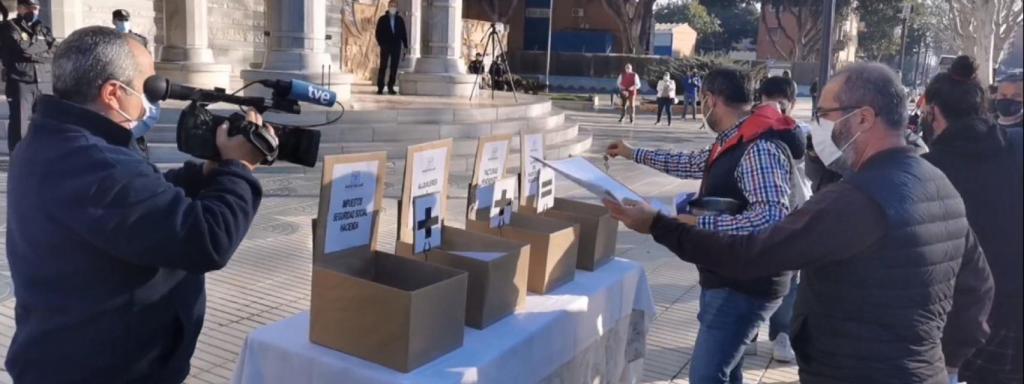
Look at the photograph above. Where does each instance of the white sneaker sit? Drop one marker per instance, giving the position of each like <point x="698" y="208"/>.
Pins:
<point x="782" y="350"/>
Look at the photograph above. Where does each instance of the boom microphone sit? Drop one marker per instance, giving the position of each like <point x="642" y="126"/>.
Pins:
<point x="158" y="88"/>
<point x="302" y="91"/>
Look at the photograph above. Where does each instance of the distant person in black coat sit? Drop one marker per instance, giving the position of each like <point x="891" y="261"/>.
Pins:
<point x="983" y="161"/>
<point x="393" y="40"/>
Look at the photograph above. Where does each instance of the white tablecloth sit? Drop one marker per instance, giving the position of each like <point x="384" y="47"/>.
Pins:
<point x="526" y="347"/>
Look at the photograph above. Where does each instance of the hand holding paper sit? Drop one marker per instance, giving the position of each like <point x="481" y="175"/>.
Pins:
<point x="588" y="176"/>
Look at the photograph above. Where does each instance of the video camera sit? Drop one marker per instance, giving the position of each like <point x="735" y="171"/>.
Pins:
<point x="197" y="126"/>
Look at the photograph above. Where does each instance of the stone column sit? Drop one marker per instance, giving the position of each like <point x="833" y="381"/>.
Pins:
<point x="63" y="16"/>
<point x="186" y="56"/>
<point x="411" y="11"/>
<point x="440" y="70"/>
<point x="296" y="47"/>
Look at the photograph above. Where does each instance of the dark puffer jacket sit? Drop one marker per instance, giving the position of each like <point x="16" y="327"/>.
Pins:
<point x="985" y="168"/>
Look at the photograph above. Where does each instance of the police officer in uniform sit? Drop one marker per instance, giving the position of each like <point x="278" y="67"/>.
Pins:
<point x="27" y="48"/>
<point x="122" y="20"/>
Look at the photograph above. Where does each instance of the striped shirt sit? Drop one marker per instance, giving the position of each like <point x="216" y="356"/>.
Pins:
<point x="763" y="174"/>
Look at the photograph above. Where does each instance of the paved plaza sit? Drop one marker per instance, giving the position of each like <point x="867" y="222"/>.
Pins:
<point x="269" y="277"/>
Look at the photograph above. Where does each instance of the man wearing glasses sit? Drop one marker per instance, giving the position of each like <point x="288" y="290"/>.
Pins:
<point x="894" y="286"/>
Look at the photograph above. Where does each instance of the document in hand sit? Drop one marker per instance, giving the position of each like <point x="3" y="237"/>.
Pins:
<point x="602" y="185"/>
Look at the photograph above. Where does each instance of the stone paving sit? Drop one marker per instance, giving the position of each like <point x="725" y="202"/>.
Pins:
<point x="268" y="278"/>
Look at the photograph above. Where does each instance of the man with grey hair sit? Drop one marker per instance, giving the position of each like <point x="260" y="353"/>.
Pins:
<point x="888" y="262"/>
<point x="108" y="254"/>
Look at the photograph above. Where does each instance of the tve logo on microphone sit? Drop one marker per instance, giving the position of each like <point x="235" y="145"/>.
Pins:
<point x="310" y="93"/>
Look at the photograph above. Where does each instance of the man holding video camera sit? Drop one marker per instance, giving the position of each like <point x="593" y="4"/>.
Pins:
<point x="108" y="254"/>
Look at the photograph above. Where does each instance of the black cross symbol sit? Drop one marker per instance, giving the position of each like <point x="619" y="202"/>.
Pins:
<point x="503" y="203"/>
<point x="427" y="225"/>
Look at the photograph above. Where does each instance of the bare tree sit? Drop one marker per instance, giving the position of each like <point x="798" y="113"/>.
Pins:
<point x="634" y="18"/>
<point x="500" y="10"/>
<point x="981" y="29"/>
<point x="799" y="25"/>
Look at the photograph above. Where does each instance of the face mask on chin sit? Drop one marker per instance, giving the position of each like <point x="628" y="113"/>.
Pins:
<point x="831" y="155"/>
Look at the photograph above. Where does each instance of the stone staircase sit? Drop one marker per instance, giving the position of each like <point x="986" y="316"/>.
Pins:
<point x="374" y="123"/>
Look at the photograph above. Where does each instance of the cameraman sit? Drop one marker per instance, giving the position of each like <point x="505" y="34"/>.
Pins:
<point x="106" y="253"/>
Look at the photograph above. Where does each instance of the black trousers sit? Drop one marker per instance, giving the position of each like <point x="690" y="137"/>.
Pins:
<point x="665" y="104"/>
<point x="21" y="97"/>
<point x="389" y="58"/>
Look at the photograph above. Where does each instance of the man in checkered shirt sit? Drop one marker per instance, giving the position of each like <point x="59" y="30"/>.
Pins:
<point x="751" y="161"/>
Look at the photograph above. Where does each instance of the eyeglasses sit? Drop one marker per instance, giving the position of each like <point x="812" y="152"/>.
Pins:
<point x="817" y="113"/>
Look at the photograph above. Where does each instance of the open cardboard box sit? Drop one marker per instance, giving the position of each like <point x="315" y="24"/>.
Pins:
<point x="394" y="311"/>
<point x="497" y="268"/>
<point x="553" y="247"/>
<point x="598" y="230"/>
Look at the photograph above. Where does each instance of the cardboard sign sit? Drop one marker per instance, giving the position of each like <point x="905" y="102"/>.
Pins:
<point x="546" y="195"/>
<point x="489" y="167"/>
<point x="503" y="202"/>
<point x="532" y="148"/>
<point x="427" y="222"/>
<point x="426" y="173"/>
<point x="351" y="193"/>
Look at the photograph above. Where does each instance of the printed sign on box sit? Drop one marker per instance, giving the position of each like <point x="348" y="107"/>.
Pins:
<point x="353" y="201"/>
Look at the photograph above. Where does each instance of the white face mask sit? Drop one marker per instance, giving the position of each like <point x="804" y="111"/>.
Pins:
<point x="123" y="26"/>
<point x="393" y="10"/>
<point x="821" y="136"/>
<point x="704" y="116"/>
<point x="146" y="107"/>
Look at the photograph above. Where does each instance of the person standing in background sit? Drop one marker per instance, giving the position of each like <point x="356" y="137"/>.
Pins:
<point x="691" y="88"/>
<point x="628" y="83"/>
<point x="393" y="41"/>
<point x="27" y="49"/>
<point x="814" y="95"/>
<point x="1009" y="101"/>
<point x="780" y="93"/>
<point x="983" y="161"/>
<point x="666" y="97"/>
<point x="121" y="19"/>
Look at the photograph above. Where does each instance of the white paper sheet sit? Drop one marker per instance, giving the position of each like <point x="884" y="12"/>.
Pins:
<point x="546" y="198"/>
<point x="591" y="178"/>
<point x="428" y="174"/>
<point x="353" y="195"/>
<point x="533" y="149"/>
<point x="427" y="223"/>
<point x="492" y="167"/>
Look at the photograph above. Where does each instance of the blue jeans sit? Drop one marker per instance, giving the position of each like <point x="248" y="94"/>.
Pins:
<point x="728" y="321"/>
<point x="780" y="320"/>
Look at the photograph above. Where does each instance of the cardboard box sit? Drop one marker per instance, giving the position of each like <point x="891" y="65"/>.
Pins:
<point x="497" y="268"/>
<point x="394" y="311"/>
<point x="598" y="230"/>
<point x="497" y="285"/>
<point x="553" y="247"/>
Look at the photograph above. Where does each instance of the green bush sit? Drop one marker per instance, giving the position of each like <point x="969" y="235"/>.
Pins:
<point x="701" y="65"/>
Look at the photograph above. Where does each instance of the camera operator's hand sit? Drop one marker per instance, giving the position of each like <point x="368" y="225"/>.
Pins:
<point x="238" y="147"/>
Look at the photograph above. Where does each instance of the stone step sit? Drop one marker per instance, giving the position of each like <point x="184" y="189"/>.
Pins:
<point x="167" y="155"/>
<point x="406" y="133"/>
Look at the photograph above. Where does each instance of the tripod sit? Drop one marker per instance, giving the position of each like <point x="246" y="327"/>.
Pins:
<point x="492" y="41"/>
